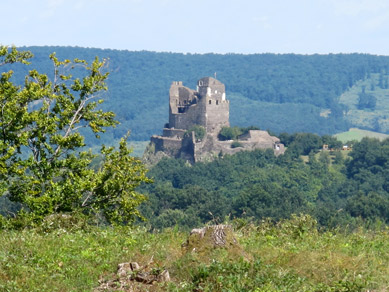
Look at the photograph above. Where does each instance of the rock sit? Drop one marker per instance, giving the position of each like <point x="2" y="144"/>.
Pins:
<point x="130" y="275"/>
<point x="217" y="235"/>
<point x="134" y="266"/>
<point x="151" y="277"/>
<point x="164" y="276"/>
<point x="205" y="241"/>
<point x="124" y="269"/>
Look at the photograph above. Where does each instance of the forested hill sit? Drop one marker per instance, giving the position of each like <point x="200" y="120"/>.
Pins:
<point x="282" y="93"/>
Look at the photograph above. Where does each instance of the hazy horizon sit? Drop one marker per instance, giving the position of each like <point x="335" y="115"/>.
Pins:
<point x="213" y="26"/>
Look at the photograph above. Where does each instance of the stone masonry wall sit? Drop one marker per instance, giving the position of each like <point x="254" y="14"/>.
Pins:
<point x="218" y="115"/>
<point x="173" y="133"/>
<point x="168" y="145"/>
<point x="192" y="116"/>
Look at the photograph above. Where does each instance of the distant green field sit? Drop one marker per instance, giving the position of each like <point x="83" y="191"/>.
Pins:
<point x="358" y="134"/>
<point x="377" y="119"/>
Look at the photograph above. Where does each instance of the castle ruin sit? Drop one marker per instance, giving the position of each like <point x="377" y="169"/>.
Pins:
<point x="208" y="109"/>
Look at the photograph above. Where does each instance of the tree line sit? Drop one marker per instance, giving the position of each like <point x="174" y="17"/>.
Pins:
<point x="263" y="88"/>
<point x="338" y="188"/>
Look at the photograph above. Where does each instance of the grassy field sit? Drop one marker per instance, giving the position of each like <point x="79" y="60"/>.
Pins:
<point x="377" y="119"/>
<point x="289" y="256"/>
<point x="358" y="134"/>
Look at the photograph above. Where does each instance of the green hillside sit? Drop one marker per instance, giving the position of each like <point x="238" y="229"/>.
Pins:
<point x="358" y="134"/>
<point x="283" y="93"/>
<point x="376" y="116"/>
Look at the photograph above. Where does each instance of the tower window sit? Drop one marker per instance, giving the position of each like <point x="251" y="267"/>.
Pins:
<point x="210" y="101"/>
<point x="217" y="102"/>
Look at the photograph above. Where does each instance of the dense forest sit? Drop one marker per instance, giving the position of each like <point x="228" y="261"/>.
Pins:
<point x="338" y="188"/>
<point x="282" y="93"/>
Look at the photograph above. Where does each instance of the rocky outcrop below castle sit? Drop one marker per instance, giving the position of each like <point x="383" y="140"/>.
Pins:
<point x="209" y="147"/>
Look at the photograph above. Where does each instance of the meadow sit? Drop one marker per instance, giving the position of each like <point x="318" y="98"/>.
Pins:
<point x="355" y="134"/>
<point x="291" y="255"/>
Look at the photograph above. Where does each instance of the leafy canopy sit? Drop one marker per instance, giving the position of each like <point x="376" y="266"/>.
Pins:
<point x="42" y="164"/>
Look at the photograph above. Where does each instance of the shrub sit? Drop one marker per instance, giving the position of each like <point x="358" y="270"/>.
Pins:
<point x="236" y="144"/>
<point x="198" y="130"/>
<point x="229" y="133"/>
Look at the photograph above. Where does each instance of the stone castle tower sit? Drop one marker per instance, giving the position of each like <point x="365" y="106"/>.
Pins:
<point x="206" y="107"/>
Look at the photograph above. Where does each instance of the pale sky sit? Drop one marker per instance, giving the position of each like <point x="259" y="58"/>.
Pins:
<point x="200" y="26"/>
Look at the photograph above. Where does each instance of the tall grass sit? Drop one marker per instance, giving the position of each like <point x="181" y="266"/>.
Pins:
<point x="291" y="255"/>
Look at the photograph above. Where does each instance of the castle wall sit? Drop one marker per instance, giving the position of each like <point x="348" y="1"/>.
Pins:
<point x="194" y="115"/>
<point x="217" y="115"/>
<point x="188" y="148"/>
<point x="174" y="96"/>
<point x="170" y="146"/>
<point x="173" y="133"/>
<point x="180" y="97"/>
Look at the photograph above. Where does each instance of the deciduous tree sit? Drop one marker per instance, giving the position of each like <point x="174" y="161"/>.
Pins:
<point x="43" y="164"/>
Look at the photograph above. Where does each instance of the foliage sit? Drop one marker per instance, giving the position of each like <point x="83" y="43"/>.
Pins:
<point x="61" y="260"/>
<point x="245" y="130"/>
<point x="366" y="101"/>
<point x="42" y="165"/>
<point x="332" y="142"/>
<point x="115" y="191"/>
<point x="198" y="130"/>
<point x="12" y="55"/>
<point x="233" y="133"/>
<point x="290" y="255"/>
<point x="333" y="186"/>
<point x="229" y="133"/>
<point x="304" y="143"/>
<point x="236" y="144"/>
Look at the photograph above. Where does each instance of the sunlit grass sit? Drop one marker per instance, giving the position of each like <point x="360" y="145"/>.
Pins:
<point x="358" y="134"/>
<point x="289" y="256"/>
<point x="377" y="118"/>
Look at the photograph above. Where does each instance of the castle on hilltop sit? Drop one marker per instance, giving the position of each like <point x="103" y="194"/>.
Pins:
<point x="195" y="120"/>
